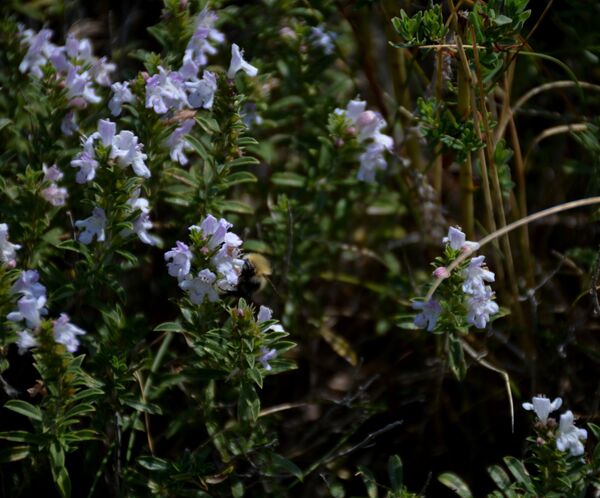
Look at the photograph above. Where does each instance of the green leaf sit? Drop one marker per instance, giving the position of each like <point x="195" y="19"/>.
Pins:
<point x="369" y="480"/>
<point x="243" y="161"/>
<point x="501" y="20"/>
<point x="456" y="484"/>
<point x="518" y="470"/>
<point x="24" y="408"/>
<point x="140" y="406"/>
<point x="153" y="463"/>
<point x="248" y="403"/>
<point x="14" y="454"/>
<point x="4" y="122"/>
<point x="239" y="177"/>
<point x="499" y="477"/>
<point x="20" y="437"/>
<point x="235" y="207"/>
<point x="284" y="464"/>
<point x="209" y="125"/>
<point x="395" y="472"/>
<point x="288" y="179"/>
<point x="169" y="327"/>
<point x="456" y="358"/>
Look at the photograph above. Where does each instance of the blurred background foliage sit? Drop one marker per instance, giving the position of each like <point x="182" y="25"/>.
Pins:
<point x="348" y="256"/>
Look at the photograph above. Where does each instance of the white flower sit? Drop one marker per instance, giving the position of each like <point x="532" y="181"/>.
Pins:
<point x="475" y="275"/>
<point x="8" y="251"/>
<point x="128" y="152"/>
<point x="181" y="260"/>
<point x="352" y="111"/>
<point x="264" y="315"/>
<point x="200" y="287"/>
<point x="121" y="94"/>
<point x="66" y="333"/>
<point x="543" y="407"/>
<point x="165" y="91"/>
<point x="570" y="437"/>
<point x="457" y="240"/>
<point x="480" y="307"/>
<point x="142" y="224"/>
<point x="93" y="226"/>
<point x="101" y="70"/>
<point x="370" y="161"/>
<point x="52" y="174"/>
<point x="201" y="93"/>
<point x="26" y="341"/>
<point x="30" y="309"/>
<point x="238" y="62"/>
<point x="178" y="144"/>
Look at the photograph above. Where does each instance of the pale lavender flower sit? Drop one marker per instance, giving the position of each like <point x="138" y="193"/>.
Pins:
<point x="200" y="287"/>
<point x="475" y="275"/>
<point x="321" y="38"/>
<point x="542" y="407"/>
<point x="93" y="226"/>
<point x="238" y="62"/>
<point x="106" y="132"/>
<point x="165" y="91"/>
<point x="352" y="111"/>
<point x="430" y="312"/>
<point x="128" y="152"/>
<point x="369" y="125"/>
<point x="55" y="195"/>
<point x="66" y="333"/>
<point x="52" y="173"/>
<point x="26" y="341"/>
<point x="80" y="49"/>
<point x="265" y="314"/>
<point x="370" y="161"/>
<point x="266" y="355"/>
<point x="458" y="240"/>
<point x="69" y="125"/>
<point x="569" y="436"/>
<point x="199" y="45"/>
<point x="37" y="53"/>
<point x="178" y="144"/>
<point x="142" y="224"/>
<point x="31" y="309"/>
<point x="480" y="307"/>
<point x="201" y="93"/>
<point x="180" y="258"/>
<point x="121" y="94"/>
<point x="8" y="251"/>
<point x="79" y="84"/>
<point x="28" y="284"/>
<point x="87" y="166"/>
<point x="101" y="70"/>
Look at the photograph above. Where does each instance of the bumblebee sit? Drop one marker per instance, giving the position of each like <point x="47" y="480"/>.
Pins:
<point x="253" y="277"/>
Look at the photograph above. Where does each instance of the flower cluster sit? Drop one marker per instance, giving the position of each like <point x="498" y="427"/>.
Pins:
<point x="31" y="307"/>
<point x="569" y="437"/>
<point x="476" y="297"/>
<point x="264" y="315"/>
<point x="8" y="251"/>
<point x="75" y="65"/>
<point x="170" y="91"/>
<point x="367" y="126"/>
<point x="125" y="150"/>
<point x="215" y="253"/>
<point x="54" y="194"/>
